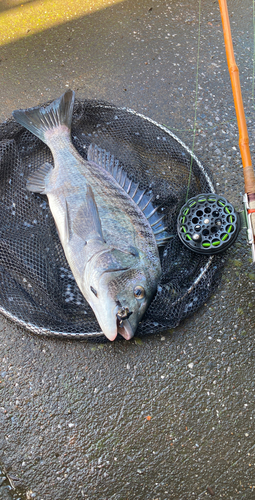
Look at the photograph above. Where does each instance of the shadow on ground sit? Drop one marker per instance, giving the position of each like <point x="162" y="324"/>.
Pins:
<point x="170" y="416"/>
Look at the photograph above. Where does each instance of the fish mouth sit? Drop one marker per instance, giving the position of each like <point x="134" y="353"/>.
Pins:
<point x="111" y="324"/>
<point x="125" y="329"/>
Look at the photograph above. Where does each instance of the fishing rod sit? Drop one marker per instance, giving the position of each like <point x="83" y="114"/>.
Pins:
<point x="248" y="172"/>
<point x="208" y="223"/>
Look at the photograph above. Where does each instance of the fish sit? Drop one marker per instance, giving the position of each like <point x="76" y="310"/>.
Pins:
<point x="108" y="227"/>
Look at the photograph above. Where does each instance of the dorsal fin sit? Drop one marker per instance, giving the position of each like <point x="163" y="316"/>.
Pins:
<point x="141" y="197"/>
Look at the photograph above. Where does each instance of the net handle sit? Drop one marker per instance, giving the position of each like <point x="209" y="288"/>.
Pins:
<point x="248" y="172"/>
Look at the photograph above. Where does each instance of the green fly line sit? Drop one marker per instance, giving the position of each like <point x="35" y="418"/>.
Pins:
<point x="196" y="100"/>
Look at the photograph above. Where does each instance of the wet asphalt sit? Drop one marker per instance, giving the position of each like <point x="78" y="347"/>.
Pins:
<point x="168" y="416"/>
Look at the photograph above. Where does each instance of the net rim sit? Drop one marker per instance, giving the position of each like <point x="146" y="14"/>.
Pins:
<point x="169" y="132"/>
<point x="90" y="335"/>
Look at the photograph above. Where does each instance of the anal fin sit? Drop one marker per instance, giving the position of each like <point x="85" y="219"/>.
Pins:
<point x="37" y="181"/>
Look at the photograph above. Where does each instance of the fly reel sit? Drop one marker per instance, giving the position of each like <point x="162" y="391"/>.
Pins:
<point x="208" y="224"/>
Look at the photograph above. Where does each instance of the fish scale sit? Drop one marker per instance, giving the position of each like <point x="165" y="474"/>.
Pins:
<point x="121" y="213"/>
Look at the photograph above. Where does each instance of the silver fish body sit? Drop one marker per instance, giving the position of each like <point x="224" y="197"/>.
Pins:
<point x="107" y="239"/>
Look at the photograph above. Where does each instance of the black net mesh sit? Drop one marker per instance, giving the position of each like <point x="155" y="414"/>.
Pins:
<point x="37" y="289"/>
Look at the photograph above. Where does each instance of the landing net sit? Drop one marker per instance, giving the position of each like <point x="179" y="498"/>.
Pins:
<point x="37" y="288"/>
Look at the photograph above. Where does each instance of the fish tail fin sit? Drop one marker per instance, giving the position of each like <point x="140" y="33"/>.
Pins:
<point x="44" y="122"/>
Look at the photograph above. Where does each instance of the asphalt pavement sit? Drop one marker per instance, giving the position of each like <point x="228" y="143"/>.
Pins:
<point x="171" y="415"/>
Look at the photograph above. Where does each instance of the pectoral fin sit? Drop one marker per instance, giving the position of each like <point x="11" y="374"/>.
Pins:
<point x="37" y="181"/>
<point x="82" y="218"/>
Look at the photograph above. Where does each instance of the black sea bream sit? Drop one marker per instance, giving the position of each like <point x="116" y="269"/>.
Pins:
<point x="108" y="239"/>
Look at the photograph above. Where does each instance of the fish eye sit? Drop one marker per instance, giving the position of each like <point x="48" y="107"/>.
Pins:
<point x="139" y="292"/>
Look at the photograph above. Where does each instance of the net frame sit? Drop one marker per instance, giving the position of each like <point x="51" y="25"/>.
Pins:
<point x="207" y="269"/>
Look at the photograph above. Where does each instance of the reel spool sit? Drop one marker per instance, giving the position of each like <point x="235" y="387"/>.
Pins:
<point x="208" y="224"/>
